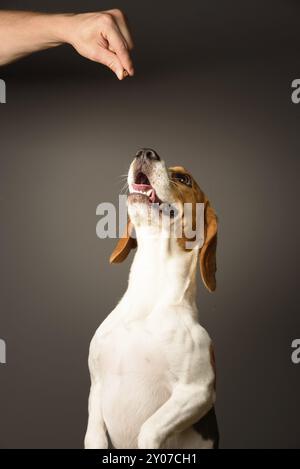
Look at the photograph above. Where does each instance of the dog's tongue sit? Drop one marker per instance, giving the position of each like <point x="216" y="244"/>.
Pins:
<point x="147" y="189"/>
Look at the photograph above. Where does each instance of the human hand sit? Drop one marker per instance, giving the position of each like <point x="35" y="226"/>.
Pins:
<point x="102" y="37"/>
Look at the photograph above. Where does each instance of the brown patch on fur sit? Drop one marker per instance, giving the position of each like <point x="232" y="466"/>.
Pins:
<point x="194" y="195"/>
<point x="124" y="246"/>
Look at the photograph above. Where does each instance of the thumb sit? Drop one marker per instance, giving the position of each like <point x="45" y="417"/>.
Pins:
<point x="108" y="58"/>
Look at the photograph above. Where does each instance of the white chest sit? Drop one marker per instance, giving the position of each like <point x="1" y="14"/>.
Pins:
<point x="135" y="380"/>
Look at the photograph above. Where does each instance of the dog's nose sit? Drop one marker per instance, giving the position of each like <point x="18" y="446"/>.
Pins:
<point x="147" y="154"/>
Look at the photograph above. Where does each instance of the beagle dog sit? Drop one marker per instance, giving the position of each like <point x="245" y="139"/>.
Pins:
<point x="151" y="363"/>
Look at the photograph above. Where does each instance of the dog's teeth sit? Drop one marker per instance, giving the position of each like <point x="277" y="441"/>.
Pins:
<point x="141" y="191"/>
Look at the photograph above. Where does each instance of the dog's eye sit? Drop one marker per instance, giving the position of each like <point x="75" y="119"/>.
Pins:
<point x="183" y="179"/>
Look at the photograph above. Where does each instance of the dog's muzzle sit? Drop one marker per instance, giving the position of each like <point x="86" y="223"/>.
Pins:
<point x="145" y="158"/>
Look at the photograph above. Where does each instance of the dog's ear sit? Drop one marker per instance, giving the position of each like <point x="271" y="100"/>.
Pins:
<point x="208" y="265"/>
<point x="124" y="246"/>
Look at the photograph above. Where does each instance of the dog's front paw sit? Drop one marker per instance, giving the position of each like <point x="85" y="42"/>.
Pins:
<point x="148" y="439"/>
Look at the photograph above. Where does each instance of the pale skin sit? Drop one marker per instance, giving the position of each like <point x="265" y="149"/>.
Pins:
<point x="102" y="37"/>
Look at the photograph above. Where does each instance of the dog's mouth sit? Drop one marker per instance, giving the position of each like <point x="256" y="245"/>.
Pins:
<point x="143" y="188"/>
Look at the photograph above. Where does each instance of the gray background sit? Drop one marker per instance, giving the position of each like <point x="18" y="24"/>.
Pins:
<point x="211" y="92"/>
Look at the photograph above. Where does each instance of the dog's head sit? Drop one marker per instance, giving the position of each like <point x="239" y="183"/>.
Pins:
<point x="156" y="193"/>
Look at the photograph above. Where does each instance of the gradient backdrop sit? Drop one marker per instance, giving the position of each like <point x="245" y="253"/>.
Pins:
<point x="212" y="92"/>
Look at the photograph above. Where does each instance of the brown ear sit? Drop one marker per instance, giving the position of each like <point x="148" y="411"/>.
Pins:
<point x="124" y="246"/>
<point x="208" y="265"/>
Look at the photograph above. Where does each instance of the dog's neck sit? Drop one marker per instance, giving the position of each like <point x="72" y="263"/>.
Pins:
<point x="162" y="273"/>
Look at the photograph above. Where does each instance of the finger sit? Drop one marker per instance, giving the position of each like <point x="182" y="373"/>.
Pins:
<point x="112" y="61"/>
<point x="118" y="44"/>
<point x="122" y="22"/>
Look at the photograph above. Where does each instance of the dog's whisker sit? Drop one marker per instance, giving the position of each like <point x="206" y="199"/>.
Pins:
<point x="123" y="176"/>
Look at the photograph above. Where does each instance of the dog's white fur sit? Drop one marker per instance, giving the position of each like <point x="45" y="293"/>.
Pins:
<point x="150" y="360"/>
